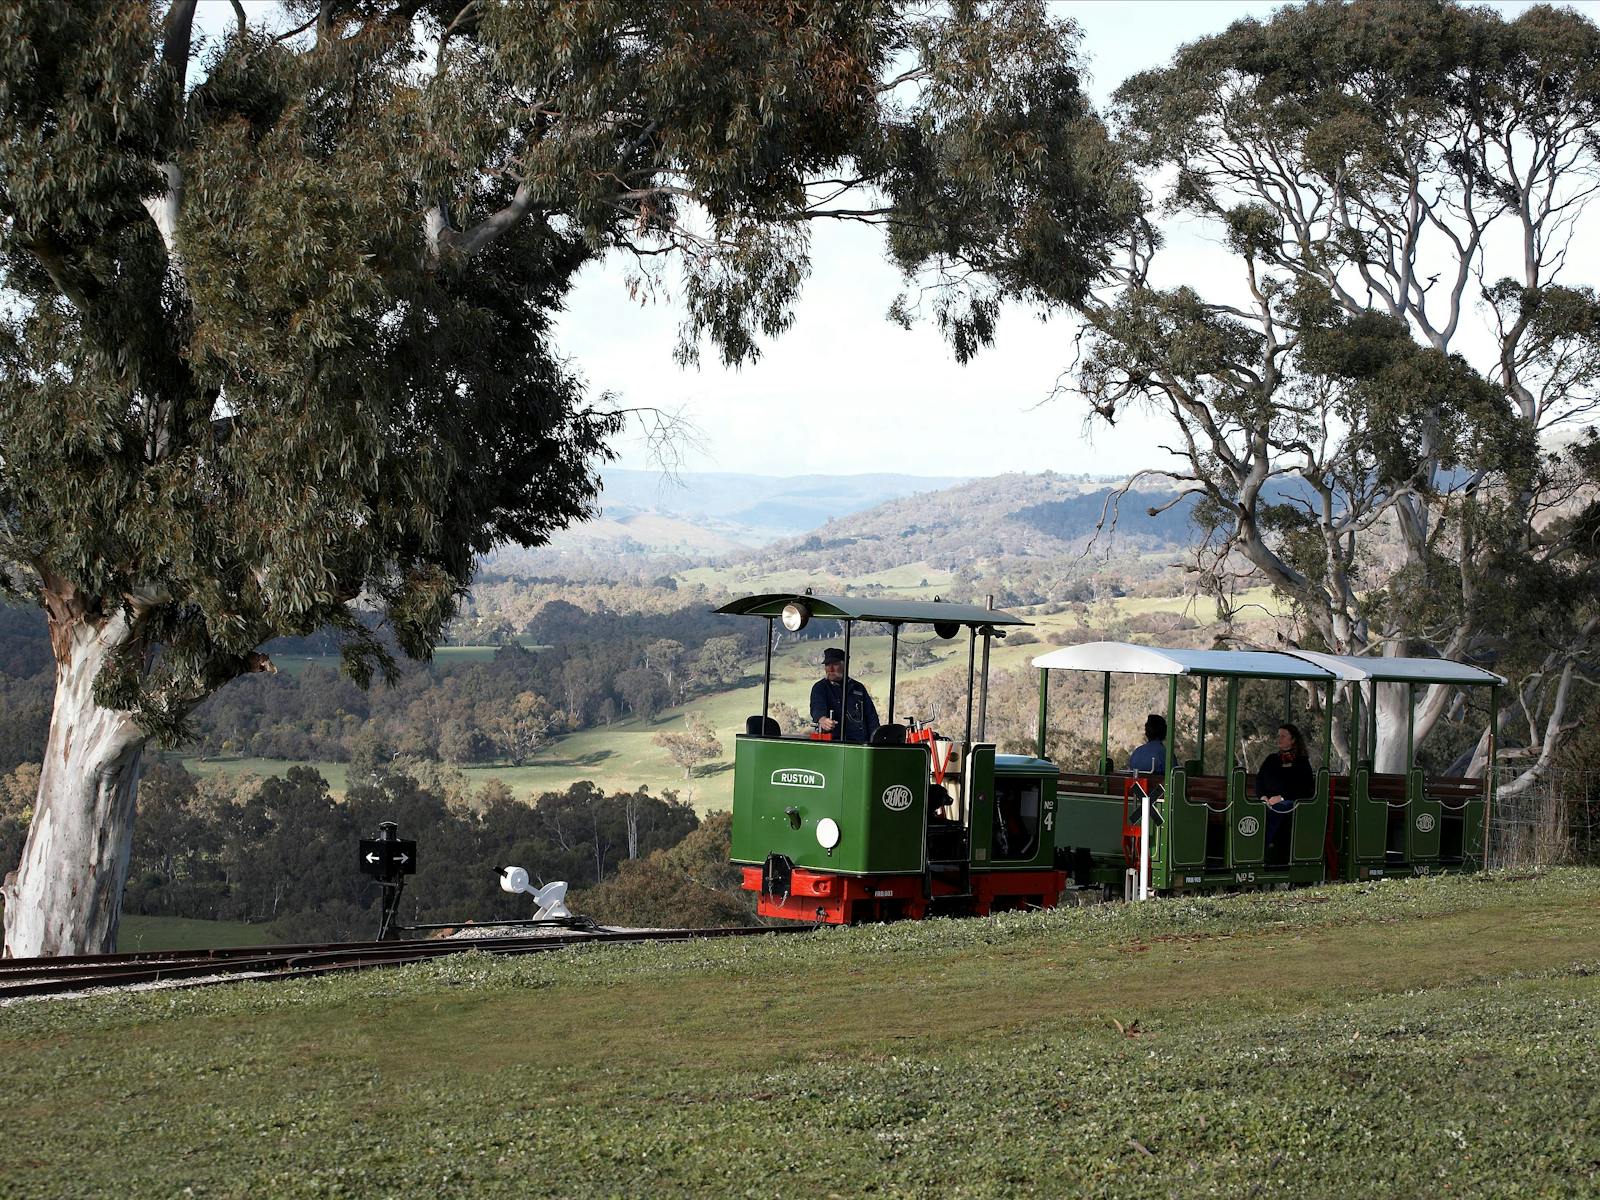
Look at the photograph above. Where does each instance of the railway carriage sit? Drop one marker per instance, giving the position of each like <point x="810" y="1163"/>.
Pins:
<point x="1205" y="824"/>
<point x="838" y="832"/>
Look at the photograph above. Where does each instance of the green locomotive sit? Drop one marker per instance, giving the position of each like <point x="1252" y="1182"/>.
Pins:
<point x="909" y="822"/>
<point x="842" y="832"/>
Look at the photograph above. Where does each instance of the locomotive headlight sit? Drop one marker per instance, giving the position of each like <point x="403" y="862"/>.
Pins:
<point x="795" y="616"/>
<point x="827" y="833"/>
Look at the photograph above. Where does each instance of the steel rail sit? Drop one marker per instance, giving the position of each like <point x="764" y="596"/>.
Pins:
<point x="84" y="973"/>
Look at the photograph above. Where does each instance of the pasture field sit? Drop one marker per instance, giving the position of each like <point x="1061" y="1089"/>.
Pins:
<point x="1427" y="1037"/>
<point x="622" y="756"/>
<point x="136" y="933"/>
<point x="910" y="581"/>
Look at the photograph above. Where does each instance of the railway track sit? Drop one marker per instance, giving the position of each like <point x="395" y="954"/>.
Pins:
<point x="31" y="977"/>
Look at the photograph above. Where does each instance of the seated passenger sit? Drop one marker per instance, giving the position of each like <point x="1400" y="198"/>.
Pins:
<point x="1285" y="779"/>
<point x="1151" y="758"/>
<point x="828" y="702"/>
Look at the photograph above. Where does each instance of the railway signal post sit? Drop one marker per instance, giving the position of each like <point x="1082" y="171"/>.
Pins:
<point x="388" y="859"/>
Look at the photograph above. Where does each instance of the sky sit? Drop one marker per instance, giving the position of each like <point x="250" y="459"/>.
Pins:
<point x="845" y="391"/>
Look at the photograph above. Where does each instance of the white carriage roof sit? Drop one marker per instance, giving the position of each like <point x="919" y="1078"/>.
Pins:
<point x="1125" y="657"/>
<point x="1398" y="670"/>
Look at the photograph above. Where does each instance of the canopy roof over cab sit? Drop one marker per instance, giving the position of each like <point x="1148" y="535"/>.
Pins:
<point x="1125" y="657"/>
<point x="869" y="608"/>
<point x="1398" y="670"/>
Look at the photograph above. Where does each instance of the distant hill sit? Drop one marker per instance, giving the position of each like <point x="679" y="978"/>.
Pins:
<point x="1006" y="516"/>
<point x="699" y="516"/>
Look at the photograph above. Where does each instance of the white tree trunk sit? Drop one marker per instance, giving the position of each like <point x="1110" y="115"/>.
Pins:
<point x="66" y="895"/>
<point x="1389" y="756"/>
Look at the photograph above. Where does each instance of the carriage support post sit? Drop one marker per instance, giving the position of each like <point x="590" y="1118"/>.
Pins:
<point x="1105" y="723"/>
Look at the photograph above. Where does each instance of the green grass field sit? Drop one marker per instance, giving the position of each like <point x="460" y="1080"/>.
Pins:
<point x="180" y="933"/>
<point x="1433" y="1037"/>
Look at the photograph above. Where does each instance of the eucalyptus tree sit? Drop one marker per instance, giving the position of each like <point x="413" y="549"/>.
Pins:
<point x="1376" y="401"/>
<point x="276" y="328"/>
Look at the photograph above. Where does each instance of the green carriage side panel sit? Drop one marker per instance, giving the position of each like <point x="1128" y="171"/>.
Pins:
<point x="1187" y="822"/>
<point x="1472" y="832"/>
<point x="1370" y="816"/>
<point x="878" y="795"/>
<point x="978" y="795"/>
<point x="1026" y="787"/>
<point x="1422" y="821"/>
<point x="1247" y="824"/>
<point x="1309" y="830"/>
<point x="1089" y="821"/>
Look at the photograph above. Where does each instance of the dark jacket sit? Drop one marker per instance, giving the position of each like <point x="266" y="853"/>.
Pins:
<point x="827" y="699"/>
<point x="1294" y="781"/>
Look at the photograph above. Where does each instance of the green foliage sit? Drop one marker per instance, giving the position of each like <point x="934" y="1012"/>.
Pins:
<point x="280" y="852"/>
<point x="689" y="886"/>
<point x="280" y="338"/>
<point x="1370" y="166"/>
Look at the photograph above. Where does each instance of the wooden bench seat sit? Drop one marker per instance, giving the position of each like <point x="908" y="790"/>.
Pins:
<point x="1084" y="782"/>
<point x="1207" y="789"/>
<point x="1386" y="787"/>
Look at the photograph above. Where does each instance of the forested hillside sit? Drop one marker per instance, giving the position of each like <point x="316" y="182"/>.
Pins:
<point x="1007" y="516"/>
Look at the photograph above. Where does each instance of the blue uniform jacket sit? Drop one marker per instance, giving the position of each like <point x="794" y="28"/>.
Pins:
<point x="860" y="723"/>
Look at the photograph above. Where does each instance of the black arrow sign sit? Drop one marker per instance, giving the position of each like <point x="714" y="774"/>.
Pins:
<point x="388" y="859"/>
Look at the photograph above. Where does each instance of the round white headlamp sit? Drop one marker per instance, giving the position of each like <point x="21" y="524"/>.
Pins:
<point x="795" y="616"/>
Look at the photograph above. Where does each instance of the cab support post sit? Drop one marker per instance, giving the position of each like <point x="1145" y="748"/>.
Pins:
<point x="766" y="678"/>
<point x="844" y="691"/>
<point x="1044" y="706"/>
<point x="983" y="687"/>
<point x="972" y="663"/>
<point x="1200" y="750"/>
<point x="894" y="662"/>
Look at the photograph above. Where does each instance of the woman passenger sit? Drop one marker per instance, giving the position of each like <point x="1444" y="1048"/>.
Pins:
<point x="1285" y="779"/>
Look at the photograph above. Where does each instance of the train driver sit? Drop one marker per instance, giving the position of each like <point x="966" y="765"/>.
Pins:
<point x="828" y="701"/>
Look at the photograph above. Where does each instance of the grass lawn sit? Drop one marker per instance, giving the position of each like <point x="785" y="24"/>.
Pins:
<point x="1430" y="1037"/>
<point x="181" y="933"/>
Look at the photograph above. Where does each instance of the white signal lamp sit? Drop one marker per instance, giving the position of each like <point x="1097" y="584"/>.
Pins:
<point x="551" y="898"/>
<point x="796" y="616"/>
